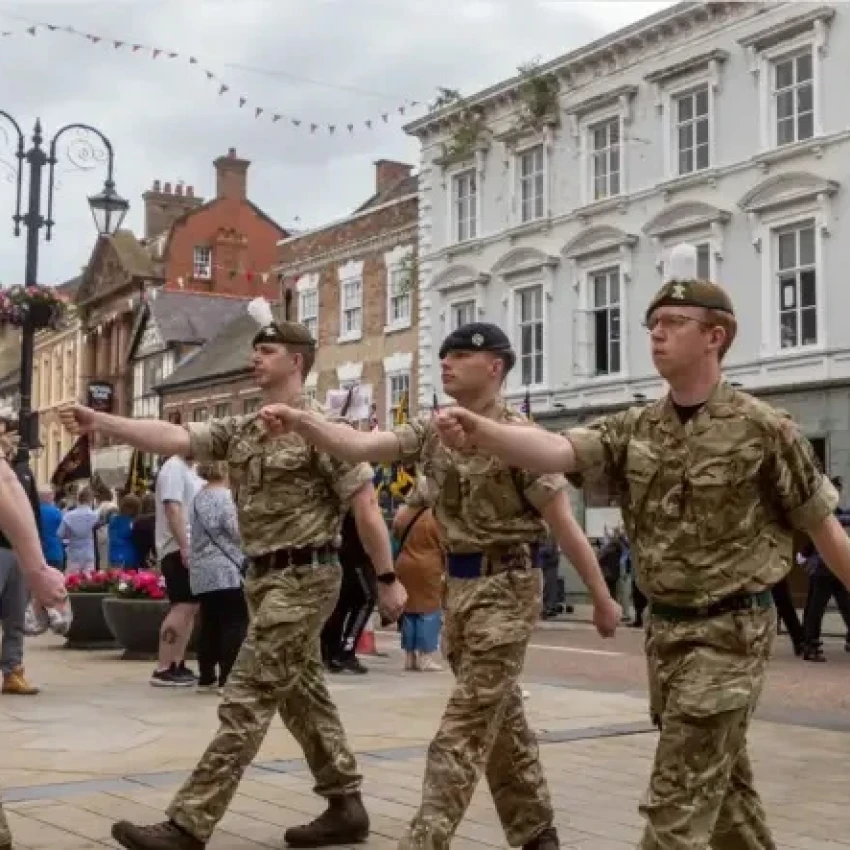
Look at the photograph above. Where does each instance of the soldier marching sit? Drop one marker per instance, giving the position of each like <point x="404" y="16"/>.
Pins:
<point x="491" y="516"/>
<point x="291" y="500"/>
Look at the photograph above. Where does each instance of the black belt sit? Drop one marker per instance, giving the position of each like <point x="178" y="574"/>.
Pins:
<point x="304" y="556"/>
<point x="738" y="602"/>
<point x="478" y="564"/>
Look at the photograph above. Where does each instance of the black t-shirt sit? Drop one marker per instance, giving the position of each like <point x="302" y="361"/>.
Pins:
<point x="351" y="551"/>
<point x="687" y="412"/>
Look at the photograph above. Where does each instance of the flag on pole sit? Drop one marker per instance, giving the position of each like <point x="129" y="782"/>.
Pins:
<point x="136" y="481"/>
<point x="75" y="466"/>
<point x="401" y="410"/>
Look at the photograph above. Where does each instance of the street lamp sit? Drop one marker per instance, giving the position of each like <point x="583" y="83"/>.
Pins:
<point x="108" y="209"/>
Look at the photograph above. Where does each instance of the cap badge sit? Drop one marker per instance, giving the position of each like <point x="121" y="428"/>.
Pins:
<point x="677" y="291"/>
<point x="477" y="340"/>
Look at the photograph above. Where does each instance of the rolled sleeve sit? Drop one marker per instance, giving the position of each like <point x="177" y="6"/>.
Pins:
<point x="600" y="448"/>
<point x="541" y="489"/>
<point x="805" y="494"/>
<point x="349" y="479"/>
<point x="210" y="441"/>
<point x="411" y="440"/>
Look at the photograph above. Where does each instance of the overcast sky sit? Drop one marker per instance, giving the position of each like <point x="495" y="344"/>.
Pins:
<point x="320" y="61"/>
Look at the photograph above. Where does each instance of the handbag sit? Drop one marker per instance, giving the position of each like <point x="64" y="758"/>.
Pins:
<point x="242" y="567"/>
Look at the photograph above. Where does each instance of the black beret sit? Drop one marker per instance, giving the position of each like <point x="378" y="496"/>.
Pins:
<point x="285" y="333"/>
<point x="691" y="293"/>
<point x="479" y="336"/>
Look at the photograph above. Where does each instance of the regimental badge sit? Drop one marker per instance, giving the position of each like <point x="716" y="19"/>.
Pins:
<point x="677" y="291"/>
<point x="477" y="340"/>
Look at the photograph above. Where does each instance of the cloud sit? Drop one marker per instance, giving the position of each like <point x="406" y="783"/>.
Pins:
<point x="322" y="61"/>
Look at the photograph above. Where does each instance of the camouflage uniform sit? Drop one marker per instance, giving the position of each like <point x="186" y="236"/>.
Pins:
<point x="483" y="506"/>
<point x="5" y="834"/>
<point x="709" y="507"/>
<point x="289" y="496"/>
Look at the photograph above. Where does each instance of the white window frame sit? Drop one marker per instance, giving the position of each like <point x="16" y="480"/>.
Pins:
<point x="202" y="268"/>
<point x="671" y="127"/>
<point x="395" y="262"/>
<point x="583" y="361"/>
<point x="525" y="150"/>
<point x="515" y="382"/>
<point x="613" y="269"/>
<point x="590" y="124"/>
<point x="388" y="383"/>
<point x="350" y="274"/>
<point x="452" y="178"/>
<point x="454" y="304"/>
<point x="699" y="239"/>
<point x="306" y="289"/>
<point x="764" y="63"/>
<point x="775" y="231"/>
<point x="771" y="225"/>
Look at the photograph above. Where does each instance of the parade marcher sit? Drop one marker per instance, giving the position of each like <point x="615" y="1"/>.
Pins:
<point x="47" y="585"/>
<point x="291" y="499"/>
<point x="491" y="519"/>
<point x="711" y="483"/>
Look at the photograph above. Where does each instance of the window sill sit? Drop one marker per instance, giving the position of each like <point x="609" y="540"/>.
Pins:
<point x="457" y="248"/>
<point x="526" y="228"/>
<point x="351" y="336"/>
<point x="801" y="351"/>
<point x="593" y="381"/>
<point x="705" y="177"/>
<point x="404" y="325"/>
<point x="620" y="203"/>
<point x="779" y="154"/>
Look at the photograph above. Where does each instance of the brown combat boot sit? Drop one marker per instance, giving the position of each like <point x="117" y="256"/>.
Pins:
<point x="546" y="840"/>
<point x="15" y="684"/>
<point x="345" y="821"/>
<point x="158" y="836"/>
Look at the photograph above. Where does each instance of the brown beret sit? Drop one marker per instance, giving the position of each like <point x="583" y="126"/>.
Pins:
<point x="285" y="333"/>
<point x="691" y="293"/>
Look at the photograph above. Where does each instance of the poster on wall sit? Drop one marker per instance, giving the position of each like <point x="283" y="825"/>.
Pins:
<point x="100" y="396"/>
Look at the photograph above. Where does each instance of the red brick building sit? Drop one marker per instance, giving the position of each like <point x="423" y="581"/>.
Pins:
<point x="221" y="247"/>
<point x="353" y="284"/>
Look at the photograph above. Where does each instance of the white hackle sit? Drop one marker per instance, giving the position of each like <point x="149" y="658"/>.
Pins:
<point x="682" y="263"/>
<point x="261" y="312"/>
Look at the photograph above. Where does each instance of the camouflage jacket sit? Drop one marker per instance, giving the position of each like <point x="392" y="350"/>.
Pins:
<point x="479" y="502"/>
<point x="288" y="494"/>
<point x="710" y="505"/>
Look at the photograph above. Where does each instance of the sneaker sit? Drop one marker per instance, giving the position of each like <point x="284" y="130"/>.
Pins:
<point x="16" y="684"/>
<point x="168" y="679"/>
<point x="546" y="840"/>
<point x="345" y="821"/>
<point x="353" y="665"/>
<point x="158" y="836"/>
<point x="183" y="672"/>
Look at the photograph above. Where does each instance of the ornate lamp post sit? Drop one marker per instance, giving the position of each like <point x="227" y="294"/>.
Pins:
<point x="108" y="209"/>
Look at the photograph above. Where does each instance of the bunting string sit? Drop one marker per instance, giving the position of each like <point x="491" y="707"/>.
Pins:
<point x="222" y="87"/>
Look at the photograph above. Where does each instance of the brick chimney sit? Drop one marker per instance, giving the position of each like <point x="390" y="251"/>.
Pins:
<point x="163" y="206"/>
<point x="388" y="173"/>
<point x="231" y="176"/>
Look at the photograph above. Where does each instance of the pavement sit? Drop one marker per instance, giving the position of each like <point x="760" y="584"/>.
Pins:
<point x="99" y="744"/>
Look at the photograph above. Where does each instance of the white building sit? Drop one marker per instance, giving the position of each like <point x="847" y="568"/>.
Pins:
<point x="726" y="125"/>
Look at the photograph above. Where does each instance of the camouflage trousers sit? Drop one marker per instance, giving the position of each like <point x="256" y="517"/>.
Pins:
<point x="705" y="679"/>
<point x="278" y="670"/>
<point x="5" y="834"/>
<point x="489" y="622"/>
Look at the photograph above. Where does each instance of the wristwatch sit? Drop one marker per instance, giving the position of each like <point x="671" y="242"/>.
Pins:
<point x="387" y="578"/>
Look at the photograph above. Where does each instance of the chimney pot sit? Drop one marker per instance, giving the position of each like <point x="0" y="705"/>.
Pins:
<point x="190" y="191"/>
<point x="388" y="172"/>
<point x="178" y="189"/>
<point x="157" y="185"/>
<point x="231" y="176"/>
<point x="231" y="152"/>
<point x="167" y="189"/>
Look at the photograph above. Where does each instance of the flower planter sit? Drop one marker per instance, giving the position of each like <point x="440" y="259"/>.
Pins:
<point x="89" y="629"/>
<point x="135" y="625"/>
<point x="40" y="315"/>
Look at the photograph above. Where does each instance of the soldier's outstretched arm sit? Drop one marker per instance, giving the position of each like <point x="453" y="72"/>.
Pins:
<point x="524" y="446"/>
<point x="833" y="544"/>
<point x="558" y="514"/>
<point x="340" y="441"/>
<point x="148" y="435"/>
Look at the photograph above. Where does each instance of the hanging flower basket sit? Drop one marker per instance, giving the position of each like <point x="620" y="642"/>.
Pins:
<point x="39" y="307"/>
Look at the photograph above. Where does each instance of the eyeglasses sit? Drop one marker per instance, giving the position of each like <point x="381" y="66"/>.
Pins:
<point x="673" y="322"/>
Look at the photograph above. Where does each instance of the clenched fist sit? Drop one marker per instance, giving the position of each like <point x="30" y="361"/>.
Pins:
<point x="47" y="586"/>
<point x="77" y="419"/>
<point x="457" y="427"/>
<point x="280" y="418"/>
